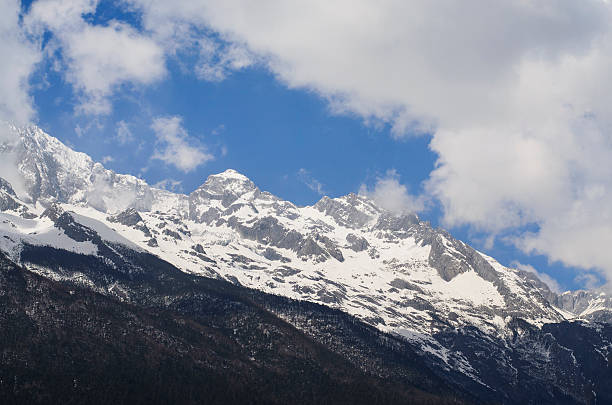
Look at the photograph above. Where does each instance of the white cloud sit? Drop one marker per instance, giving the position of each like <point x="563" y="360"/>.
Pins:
<point x="315" y="185"/>
<point x="98" y="59"/>
<point x="120" y="55"/>
<point x="516" y="95"/>
<point x="19" y="58"/>
<point x="78" y="130"/>
<point x="124" y="134"/>
<point x="390" y="194"/>
<point x="393" y="59"/>
<point x="217" y="60"/>
<point x="218" y="130"/>
<point x="107" y="159"/>
<point x="10" y="161"/>
<point x="170" y="185"/>
<point x="90" y="126"/>
<point x="175" y="147"/>
<point x="590" y="281"/>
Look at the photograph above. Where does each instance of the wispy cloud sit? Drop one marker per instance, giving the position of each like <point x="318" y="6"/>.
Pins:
<point x="175" y="147"/>
<point x="90" y="126"/>
<point x="315" y="185"/>
<point x="390" y="194"/>
<point x="19" y="58"/>
<point x="124" y="134"/>
<point x="170" y="185"/>
<point x="589" y="281"/>
<point x="548" y="280"/>
<point x="218" y="60"/>
<point x="96" y="59"/>
<point x="520" y="123"/>
<point x="218" y="130"/>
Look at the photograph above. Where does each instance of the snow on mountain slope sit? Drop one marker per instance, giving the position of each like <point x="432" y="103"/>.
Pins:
<point x="15" y="231"/>
<point x="53" y="172"/>
<point x="593" y="305"/>
<point x="395" y="272"/>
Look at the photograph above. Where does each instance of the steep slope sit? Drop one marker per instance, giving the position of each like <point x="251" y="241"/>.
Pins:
<point x="62" y="343"/>
<point x="52" y="172"/>
<point x="396" y="273"/>
<point x="590" y="305"/>
<point x="525" y="361"/>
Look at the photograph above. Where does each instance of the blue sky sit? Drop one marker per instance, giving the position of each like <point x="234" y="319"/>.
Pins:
<point x="305" y="108"/>
<point x="268" y="132"/>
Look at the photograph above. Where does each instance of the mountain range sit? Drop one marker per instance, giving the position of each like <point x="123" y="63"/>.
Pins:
<point x="235" y="295"/>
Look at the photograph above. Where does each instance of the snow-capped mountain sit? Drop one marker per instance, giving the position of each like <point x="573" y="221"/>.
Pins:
<point x="395" y="272"/>
<point x="595" y="305"/>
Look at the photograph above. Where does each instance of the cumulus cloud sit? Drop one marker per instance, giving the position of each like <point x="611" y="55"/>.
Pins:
<point x="390" y="194"/>
<point x="515" y="95"/>
<point x="392" y="59"/>
<point x="175" y="147"/>
<point x="98" y="58"/>
<point x="306" y="177"/>
<point x="19" y="58"/>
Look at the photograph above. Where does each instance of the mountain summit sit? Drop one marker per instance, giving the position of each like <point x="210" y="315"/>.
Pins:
<point x="393" y="272"/>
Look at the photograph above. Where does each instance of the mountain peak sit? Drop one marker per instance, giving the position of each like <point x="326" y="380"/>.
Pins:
<point x="351" y="210"/>
<point x="226" y="187"/>
<point x="52" y="172"/>
<point x="230" y="181"/>
<point x="231" y="174"/>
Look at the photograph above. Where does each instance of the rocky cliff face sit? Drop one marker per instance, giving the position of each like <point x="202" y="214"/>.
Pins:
<point x="51" y="172"/>
<point x="593" y="305"/>
<point x="394" y="272"/>
<point x="144" y="332"/>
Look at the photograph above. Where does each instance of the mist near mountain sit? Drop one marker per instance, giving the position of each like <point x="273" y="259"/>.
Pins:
<point x="390" y="296"/>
